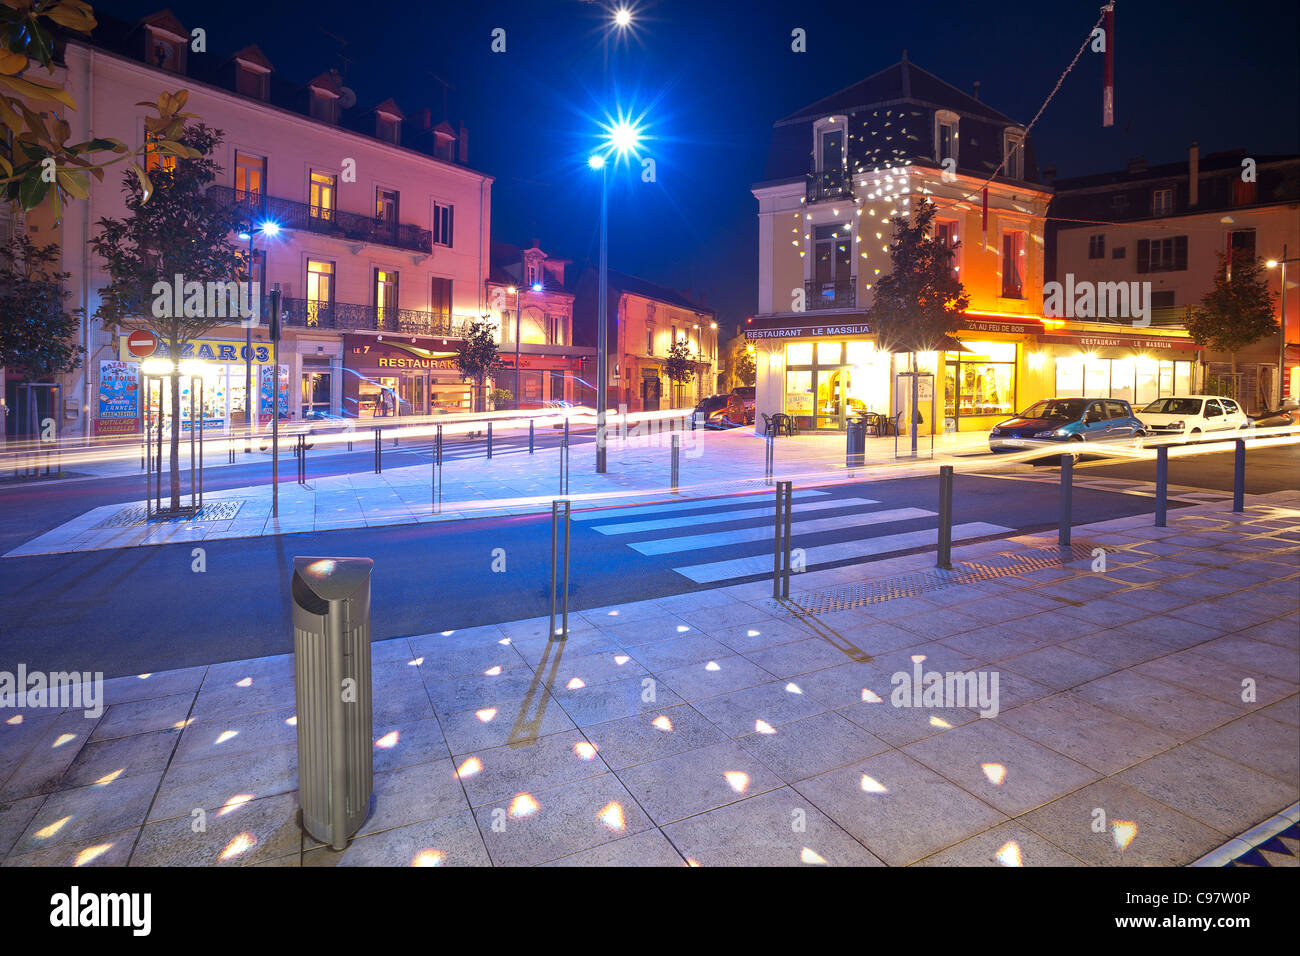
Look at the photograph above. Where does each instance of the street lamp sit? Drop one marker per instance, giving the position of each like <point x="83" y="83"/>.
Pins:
<point x="1281" y="348"/>
<point x="270" y="229"/>
<point x="622" y="137"/>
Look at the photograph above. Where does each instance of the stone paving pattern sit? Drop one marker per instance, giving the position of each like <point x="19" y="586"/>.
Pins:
<point x="1125" y="735"/>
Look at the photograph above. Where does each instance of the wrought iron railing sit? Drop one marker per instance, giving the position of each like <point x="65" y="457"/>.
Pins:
<point x="347" y="316"/>
<point x="826" y="184"/>
<point x="833" y="294"/>
<point x="288" y="214"/>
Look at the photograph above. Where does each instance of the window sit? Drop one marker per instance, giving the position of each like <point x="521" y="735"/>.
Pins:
<point x="250" y="177"/>
<point x="385" y="298"/>
<point x="945" y="136"/>
<point x="1164" y="299"/>
<point x="442" y="224"/>
<point x="1162" y="255"/>
<point x="1136" y="380"/>
<point x="386" y="206"/>
<point x="322" y="106"/>
<point x="1119" y="201"/>
<point x="155" y="159"/>
<point x="1119" y="252"/>
<point x="1013" y="152"/>
<point x="1243" y="194"/>
<point x="1213" y="409"/>
<point x="1241" y="244"/>
<point x="320" y="291"/>
<point x="831" y="148"/>
<point x="1013" y="265"/>
<point x="945" y="230"/>
<point x="1097" y="246"/>
<point x="250" y="82"/>
<point x="832" y="268"/>
<point x="981" y="381"/>
<point x="1116" y="410"/>
<point x="165" y="53"/>
<point x="440" y="298"/>
<point x="322" y="195"/>
<point x="1162" y="202"/>
<point x="388" y="128"/>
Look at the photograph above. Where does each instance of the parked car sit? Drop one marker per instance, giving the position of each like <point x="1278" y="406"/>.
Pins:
<point x="1068" y="420"/>
<point x="1286" y="415"/>
<point x="1193" y="415"/>
<point x="747" y="395"/>
<point x="719" y="411"/>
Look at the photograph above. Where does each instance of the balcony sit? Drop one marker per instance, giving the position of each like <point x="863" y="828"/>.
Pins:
<point x="829" y="184"/>
<point x="347" y="317"/>
<point x="832" y="294"/>
<point x="348" y="226"/>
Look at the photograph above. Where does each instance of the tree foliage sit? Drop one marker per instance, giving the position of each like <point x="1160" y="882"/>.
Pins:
<point x="679" y="366"/>
<point x="746" y="368"/>
<point x="920" y="301"/>
<point x="38" y="164"/>
<point x="1238" y="310"/>
<point x="37" y="334"/>
<point x="478" y="355"/>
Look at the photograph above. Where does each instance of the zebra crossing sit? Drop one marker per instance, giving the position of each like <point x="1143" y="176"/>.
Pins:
<point x="671" y="529"/>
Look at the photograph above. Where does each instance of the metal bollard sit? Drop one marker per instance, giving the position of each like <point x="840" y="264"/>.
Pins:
<point x="770" y="461"/>
<point x="230" y="450"/>
<point x="566" y="432"/>
<point x="1239" y="477"/>
<point x="300" y="452"/>
<point x="558" y="509"/>
<point x="379" y="464"/>
<point x="677" y="448"/>
<point x="1067" y="499"/>
<point x="436" y="478"/>
<point x="531" y="423"/>
<point x="945" y="517"/>
<point x="564" y="466"/>
<point x="1162" y="485"/>
<point x="781" y="543"/>
<point x="489" y="439"/>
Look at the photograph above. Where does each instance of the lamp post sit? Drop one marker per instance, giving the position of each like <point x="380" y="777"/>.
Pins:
<point x="518" y="294"/>
<point x="1281" y="348"/>
<point x="266" y="228"/>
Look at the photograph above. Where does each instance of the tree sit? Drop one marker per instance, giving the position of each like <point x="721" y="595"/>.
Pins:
<point x="37" y="333"/>
<point x="35" y="154"/>
<point x="1238" y="310"/>
<point x="746" y="369"/>
<point x="680" y="366"/>
<point x="918" y="304"/>
<point x="478" y="356"/>
<point x="180" y="231"/>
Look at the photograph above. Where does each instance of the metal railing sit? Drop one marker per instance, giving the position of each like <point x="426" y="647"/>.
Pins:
<point x="310" y="314"/>
<point x="289" y="214"/>
<point x="826" y="184"/>
<point x="832" y="294"/>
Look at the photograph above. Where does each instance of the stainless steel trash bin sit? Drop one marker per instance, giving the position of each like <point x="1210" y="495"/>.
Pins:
<point x="855" y="442"/>
<point x="331" y="645"/>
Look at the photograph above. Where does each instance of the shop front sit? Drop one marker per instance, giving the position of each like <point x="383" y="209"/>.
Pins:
<point x="384" y="379"/>
<point x="220" y="364"/>
<point x="1132" y="367"/>
<point x="542" y="378"/>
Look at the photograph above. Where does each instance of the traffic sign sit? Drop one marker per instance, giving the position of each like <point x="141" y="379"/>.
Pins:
<point x="142" y="343"/>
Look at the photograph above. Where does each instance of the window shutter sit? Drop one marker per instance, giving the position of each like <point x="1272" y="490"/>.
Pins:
<point x="1180" y="253"/>
<point x="1144" y="255"/>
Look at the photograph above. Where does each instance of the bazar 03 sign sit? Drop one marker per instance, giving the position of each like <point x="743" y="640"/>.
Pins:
<point x="205" y="350"/>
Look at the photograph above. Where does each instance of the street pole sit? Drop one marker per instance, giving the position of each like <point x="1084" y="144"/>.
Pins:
<point x="602" y="362"/>
<point x="1281" y="334"/>
<point x="275" y="401"/>
<point x="519" y="291"/>
<point x="248" y="362"/>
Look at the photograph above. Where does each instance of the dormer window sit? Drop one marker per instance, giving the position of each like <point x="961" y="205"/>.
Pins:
<point x="165" y="51"/>
<point x="388" y="128"/>
<point x="250" y="81"/>
<point x="945" y="136"/>
<point x="1013" y="154"/>
<point x="322" y="105"/>
<point x="829" y="144"/>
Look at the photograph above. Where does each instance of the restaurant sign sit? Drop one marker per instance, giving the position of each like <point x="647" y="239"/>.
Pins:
<point x="1142" y="342"/>
<point x="801" y="330"/>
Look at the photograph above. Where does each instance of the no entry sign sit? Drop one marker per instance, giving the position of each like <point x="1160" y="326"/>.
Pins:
<point x="142" y="343"/>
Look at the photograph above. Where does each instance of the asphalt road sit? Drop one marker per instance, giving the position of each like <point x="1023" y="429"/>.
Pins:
<point x="1267" y="470"/>
<point x="136" y="610"/>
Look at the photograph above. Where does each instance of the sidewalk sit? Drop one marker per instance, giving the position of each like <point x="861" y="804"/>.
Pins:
<point x="1148" y="713"/>
<point x="509" y="484"/>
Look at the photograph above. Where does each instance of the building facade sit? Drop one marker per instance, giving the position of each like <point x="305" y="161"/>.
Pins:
<point x="534" y="313"/>
<point x="1165" y="224"/>
<point x="371" y="224"/>
<point x="838" y="172"/>
<point x="643" y="321"/>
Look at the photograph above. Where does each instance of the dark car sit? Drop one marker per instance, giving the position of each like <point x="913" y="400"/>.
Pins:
<point x="747" y="396"/>
<point x="719" y="411"/>
<point x="1068" y="419"/>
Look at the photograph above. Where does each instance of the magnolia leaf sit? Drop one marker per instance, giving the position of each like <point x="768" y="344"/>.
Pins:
<point x="37" y="91"/>
<point x="33" y="188"/>
<point x="12" y="63"/>
<point x="74" y="15"/>
<point x="146" y="187"/>
<point x="74" y="183"/>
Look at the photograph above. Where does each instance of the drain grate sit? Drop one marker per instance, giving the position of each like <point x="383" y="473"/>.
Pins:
<point x="135" y="515"/>
<point x="913" y="583"/>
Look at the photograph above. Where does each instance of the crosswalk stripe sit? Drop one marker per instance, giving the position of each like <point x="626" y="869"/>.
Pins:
<point x="698" y="541"/>
<point x="607" y="513"/>
<point x="862" y="548"/>
<point x="693" y="520"/>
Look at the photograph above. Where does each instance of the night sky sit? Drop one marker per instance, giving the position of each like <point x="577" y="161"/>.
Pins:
<point x="711" y="76"/>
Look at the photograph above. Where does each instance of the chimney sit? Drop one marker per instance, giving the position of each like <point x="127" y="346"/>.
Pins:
<point x="1049" y="174"/>
<point x="975" y="92"/>
<point x="1193" y="173"/>
<point x="1137" y="164"/>
<point x="462" y="144"/>
<point x="424" y="119"/>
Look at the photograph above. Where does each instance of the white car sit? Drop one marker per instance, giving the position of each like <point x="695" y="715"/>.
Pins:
<point x="1193" y="415"/>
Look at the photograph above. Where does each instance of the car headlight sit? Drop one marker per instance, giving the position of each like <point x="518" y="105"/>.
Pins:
<point x="1053" y="433"/>
<point x="995" y="433"/>
<point x="1176" y="426"/>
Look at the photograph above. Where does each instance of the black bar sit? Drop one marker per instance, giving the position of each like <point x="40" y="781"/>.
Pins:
<point x="489" y="439"/>
<point x="436" y="478"/>
<point x="1162" y="485"/>
<point x="379" y="464"/>
<point x="1239" y="477"/>
<point x="945" y="517"/>
<point x="785" y="578"/>
<point x="531" y="423"/>
<point x="559" y="508"/>
<point x="1067" y="499"/>
<point x="677" y="445"/>
<point x="781" y="542"/>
